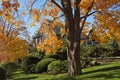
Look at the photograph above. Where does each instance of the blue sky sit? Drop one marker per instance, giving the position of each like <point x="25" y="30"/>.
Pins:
<point x="37" y="5"/>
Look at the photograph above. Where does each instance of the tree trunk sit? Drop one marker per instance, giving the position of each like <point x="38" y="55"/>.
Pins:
<point x="73" y="48"/>
<point x="72" y="23"/>
<point x="73" y="55"/>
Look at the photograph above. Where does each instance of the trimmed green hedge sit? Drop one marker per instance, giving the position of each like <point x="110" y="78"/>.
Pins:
<point x="42" y="65"/>
<point x="57" y="67"/>
<point x="29" y="63"/>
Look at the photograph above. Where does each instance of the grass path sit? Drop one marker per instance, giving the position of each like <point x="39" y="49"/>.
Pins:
<point x="110" y="71"/>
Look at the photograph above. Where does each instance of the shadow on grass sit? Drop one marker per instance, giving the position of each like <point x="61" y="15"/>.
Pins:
<point x="104" y="73"/>
<point x="63" y="78"/>
<point x="27" y="78"/>
<point x="103" y="69"/>
<point x="115" y="74"/>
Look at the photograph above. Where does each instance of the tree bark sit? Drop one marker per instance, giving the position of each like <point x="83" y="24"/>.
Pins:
<point x="73" y="55"/>
<point x="72" y="23"/>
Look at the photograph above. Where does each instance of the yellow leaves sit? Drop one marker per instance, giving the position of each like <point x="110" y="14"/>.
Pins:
<point x="53" y="12"/>
<point x="15" y="5"/>
<point x="17" y="49"/>
<point x="32" y="24"/>
<point x="6" y="5"/>
<point x="18" y="23"/>
<point x="7" y="16"/>
<point x="50" y="44"/>
<point x="84" y="4"/>
<point x="12" y="49"/>
<point x="62" y="31"/>
<point x="44" y="11"/>
<point x="35" y="15"/>
<point x="9" y="6"/>
<point x="48" y="4"/>
<point x="1" y="12"/>
<point x="104" y="4"/>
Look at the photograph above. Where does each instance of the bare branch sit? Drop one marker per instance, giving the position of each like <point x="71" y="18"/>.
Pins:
<point x="58" y="17"/>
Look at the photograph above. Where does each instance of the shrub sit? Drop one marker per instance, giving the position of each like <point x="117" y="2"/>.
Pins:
<point x="58" y="56"/>
<point x="39" y="54"/>
<point x="84" y="55"/>
<point x="29" y="63"/>
<point x="2" y="74"/>
<point x="100" y="51"/>
<point x="57" y="67"/>
<point x="9" y="68"/>
<point x="42" y="65"/>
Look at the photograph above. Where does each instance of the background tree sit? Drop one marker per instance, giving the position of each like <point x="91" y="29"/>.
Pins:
<point x="11" y="28"/>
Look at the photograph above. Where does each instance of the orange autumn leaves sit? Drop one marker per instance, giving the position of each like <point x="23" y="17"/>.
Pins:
<point x="12" y="50"/>
<point x="51" y="42"/>
<point x="10" y="6"/>
<point x="99" y="34"/>
<point x="106" y="27"/>
<point x="11" y="46"/>
<point x="50" y="45"/>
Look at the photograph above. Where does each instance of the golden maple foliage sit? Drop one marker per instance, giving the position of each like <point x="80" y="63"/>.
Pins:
<point x="11" y="46"/>
<point x="104" y="25"/>
<point x="51" y="43"/>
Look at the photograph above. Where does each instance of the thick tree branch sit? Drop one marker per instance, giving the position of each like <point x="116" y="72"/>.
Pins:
<point x="57" y="5"/>
<point x="58" y="17"/>
<point x="86" y="15"/>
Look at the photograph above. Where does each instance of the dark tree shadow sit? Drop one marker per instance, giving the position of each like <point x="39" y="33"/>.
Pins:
<point x="103" y="69"/>
<point x="26" y="78"/>
<point x="115" y="71"/>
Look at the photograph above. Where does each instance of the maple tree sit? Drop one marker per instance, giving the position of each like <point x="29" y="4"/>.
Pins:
<point x="52" y="42"/>
<point x="74" y="16"/>
<point x="11" y="46"/>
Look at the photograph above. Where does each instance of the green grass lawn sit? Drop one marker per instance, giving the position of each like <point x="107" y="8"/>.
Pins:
<point x="110" y="71"/>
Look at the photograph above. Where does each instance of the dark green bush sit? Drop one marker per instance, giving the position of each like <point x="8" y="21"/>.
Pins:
<point x="58" y="56"/>
<point x="39" y="54"/>
<point x="42" y="65"/>
<point x="2" y="74"/>
<point x="84" y="55"/>
<point x="9" y="68"/>
<point x="29" y="63"/>
<point x="101" y="51"/>
<point x="57" y="67"/>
